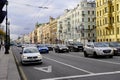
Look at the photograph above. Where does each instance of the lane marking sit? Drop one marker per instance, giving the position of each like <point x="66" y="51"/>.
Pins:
<point x="69" y="65"/>
<point x="94" y="59"/>
<point x="81" y="76"/>
<point x="47" y="69"/>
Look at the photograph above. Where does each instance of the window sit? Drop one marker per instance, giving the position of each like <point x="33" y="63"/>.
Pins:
<point x="88" y="12"/>
<point x="82" y="19"/>
<point x="105" y="9"/>
<point x="88" y="26"/>
<point x="117" y="7"/>
<point x="100" y="13"/>
<point x="93" y="12"/>
<point x="112" y="19"/>
<point x="88" y="34"/>
<point x="88" y="19"/>
<point x="106" y="20"/>
<point x="117" y="30"/>
<point x="112" y="8"/>
<point x="117" y="18"/>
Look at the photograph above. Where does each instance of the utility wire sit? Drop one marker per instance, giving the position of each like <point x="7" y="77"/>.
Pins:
<point x="30" y="5"/>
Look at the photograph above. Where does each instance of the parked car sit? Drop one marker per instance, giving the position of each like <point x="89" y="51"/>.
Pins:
<point x="50" y="47"/>
<point x="115" y="46"/>
<point x="42" y="48"/>
<point x="97" y="49"/>
<point x="61" y="48"/>
<point x="30" y="55"/>
<point x="75" y="46"/>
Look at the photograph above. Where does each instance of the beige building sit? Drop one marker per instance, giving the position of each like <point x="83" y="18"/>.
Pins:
<point x="108" y="20"/>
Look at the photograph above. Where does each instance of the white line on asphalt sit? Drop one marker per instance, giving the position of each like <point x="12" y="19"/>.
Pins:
<point x="69" y="65"/>
<point x="81" y="76"/>
<point x="95" y="59"/>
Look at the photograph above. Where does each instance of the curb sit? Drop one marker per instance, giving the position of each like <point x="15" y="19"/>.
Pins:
<point x="20" y="70"/>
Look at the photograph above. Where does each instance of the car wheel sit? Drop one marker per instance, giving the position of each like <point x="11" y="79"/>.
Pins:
<point x="95" y="54"/>
<point x="85" y="54"/>
<point x="55" y="51"/>
<point x="110" y="56"/>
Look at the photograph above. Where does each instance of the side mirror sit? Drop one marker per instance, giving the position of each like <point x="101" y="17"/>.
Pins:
<point x="20" y="52"/>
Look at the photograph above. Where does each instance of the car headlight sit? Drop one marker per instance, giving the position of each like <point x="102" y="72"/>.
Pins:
<point x="60" y="48"/>
<point x="39" y="56"/>
<point x="24" y="57"/>
<point x="99" y="50"/>
<point x="76" y="46"/>
<point x="114" y="49"/>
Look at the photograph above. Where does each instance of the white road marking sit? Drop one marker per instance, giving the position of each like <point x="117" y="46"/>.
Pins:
<point x="94" y="59"/>
<point x="81" y="76"/>
<point x="47" y="69"/>
<point x="69" y="65"/>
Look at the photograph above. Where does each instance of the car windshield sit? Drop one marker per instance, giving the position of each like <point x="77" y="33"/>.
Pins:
<point x="101" y="45"/>
<point x="31" y="50"/>
<point x="77" y="43"/>
<point x="114" y="44"/>
<point x="62" y="45"/>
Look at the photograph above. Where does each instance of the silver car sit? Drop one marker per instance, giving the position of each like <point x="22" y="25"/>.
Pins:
<point x="97" y="49"/>
<point x="30" y="55"/>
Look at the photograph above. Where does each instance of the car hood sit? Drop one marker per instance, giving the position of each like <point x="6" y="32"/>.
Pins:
<point x="31" y="54"/>
<point x="103" y="48"/>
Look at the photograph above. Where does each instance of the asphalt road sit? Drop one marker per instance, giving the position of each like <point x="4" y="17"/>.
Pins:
<point x="71" y="66"/>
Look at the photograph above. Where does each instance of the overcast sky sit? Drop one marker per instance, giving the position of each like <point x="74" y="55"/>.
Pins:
<point x="23" y="17"/>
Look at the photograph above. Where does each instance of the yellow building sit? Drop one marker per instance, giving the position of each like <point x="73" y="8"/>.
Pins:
<point x="53" y="30"/>
<point x="108" y="20"/>
<point x="49" y="31"/>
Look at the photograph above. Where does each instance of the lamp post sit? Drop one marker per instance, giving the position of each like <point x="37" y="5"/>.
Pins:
<point x="7" y="40"/>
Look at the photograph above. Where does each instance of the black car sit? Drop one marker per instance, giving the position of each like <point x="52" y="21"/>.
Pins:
<point x="75" y="46"/>
<point x="61" y="48"/>
<point x="115" y="46"/>
<point x="50" y="47"/>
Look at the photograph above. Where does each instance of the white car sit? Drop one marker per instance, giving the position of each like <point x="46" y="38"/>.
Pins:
<point x="97" y="49"/>
<point x="30" y="55"/>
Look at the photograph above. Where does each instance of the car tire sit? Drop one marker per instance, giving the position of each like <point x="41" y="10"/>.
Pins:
<point x="95" y="55"/>
<point x="110" y="56"/>
<point x="85" y="54"/>
<point x="55" y="51"/>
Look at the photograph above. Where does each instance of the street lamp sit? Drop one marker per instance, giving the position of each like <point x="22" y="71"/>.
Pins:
<point x="7" y="36"/>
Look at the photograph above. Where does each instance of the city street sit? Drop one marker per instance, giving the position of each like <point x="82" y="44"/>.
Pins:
<point x="71" y="66"/>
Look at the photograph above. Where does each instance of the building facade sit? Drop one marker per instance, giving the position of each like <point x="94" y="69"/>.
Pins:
<point x="78" y="24"/>
<point x="108" y="20"/>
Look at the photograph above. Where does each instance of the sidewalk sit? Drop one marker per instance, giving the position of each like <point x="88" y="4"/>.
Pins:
<point x="8" y="68"/>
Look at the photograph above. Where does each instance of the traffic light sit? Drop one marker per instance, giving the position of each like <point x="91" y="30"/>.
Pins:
<point x="2" y="13"/>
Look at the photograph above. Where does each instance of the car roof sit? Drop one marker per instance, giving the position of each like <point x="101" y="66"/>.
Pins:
<point x="30" y="47"/>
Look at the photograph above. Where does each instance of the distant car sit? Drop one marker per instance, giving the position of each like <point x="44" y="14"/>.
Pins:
<point x="42" y="48"/>
<point x="30" y="55"/>
<point x="50" y="47"/>
<point x="115" y="46"/>
<point x="97" y="49"/>
<point x="75" y="46"/>
<point x="61" y="48"/>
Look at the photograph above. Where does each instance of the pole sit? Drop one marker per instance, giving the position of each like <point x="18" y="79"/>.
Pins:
<point x="6" y="36"/>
